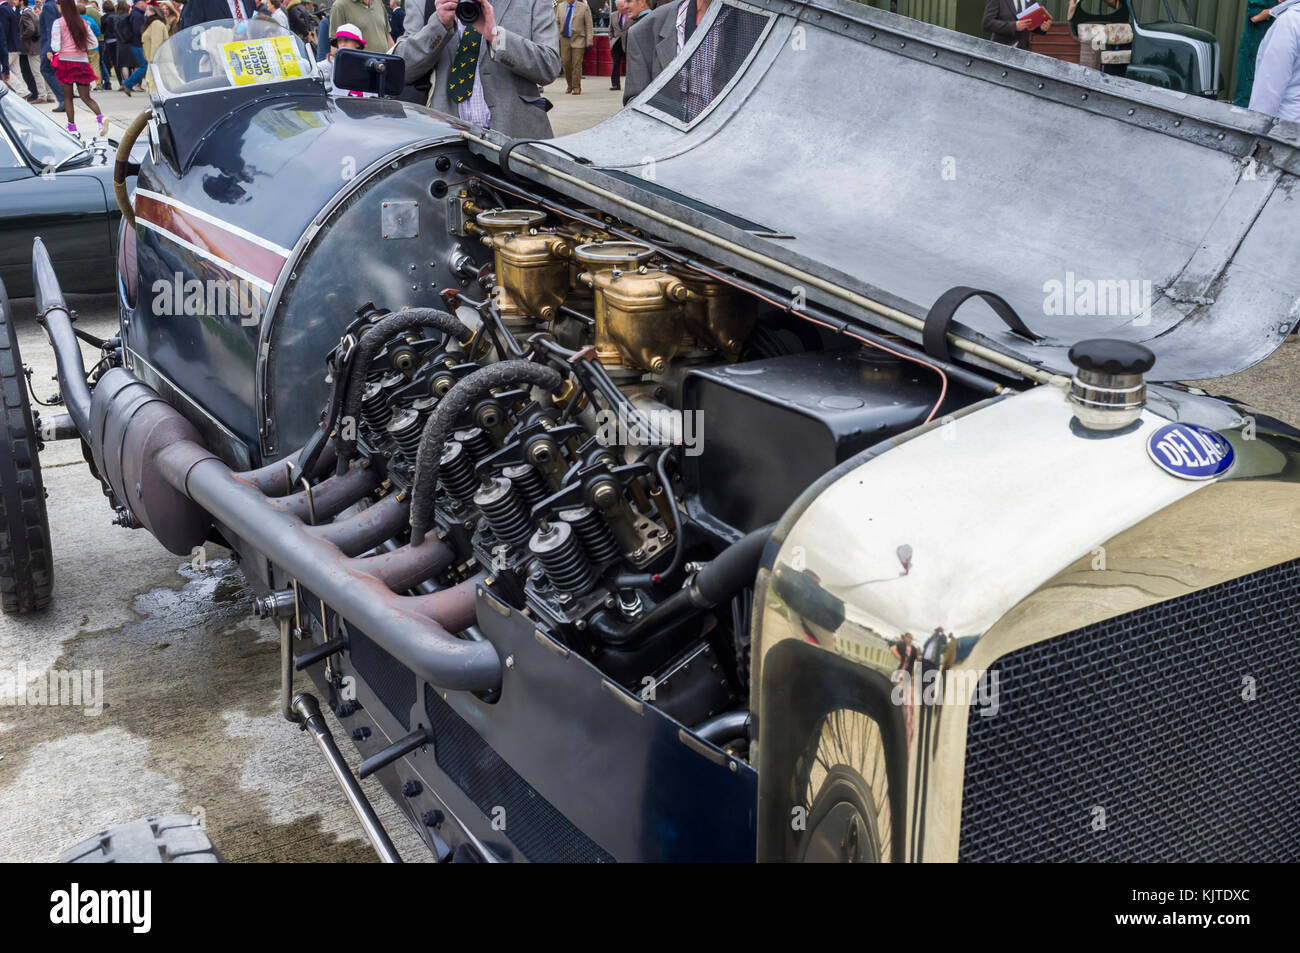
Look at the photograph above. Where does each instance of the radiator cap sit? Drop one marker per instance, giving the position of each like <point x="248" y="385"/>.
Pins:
<point x="1107" y="390"/>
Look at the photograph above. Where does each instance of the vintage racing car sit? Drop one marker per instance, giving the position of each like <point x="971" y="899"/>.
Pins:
<point x="733" y="479"/>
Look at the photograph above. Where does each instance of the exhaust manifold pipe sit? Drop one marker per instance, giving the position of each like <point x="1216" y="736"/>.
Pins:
<point x="155" y="461"/>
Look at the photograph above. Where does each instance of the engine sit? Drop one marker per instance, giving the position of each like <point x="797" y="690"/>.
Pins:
<point x="593" y="421"/>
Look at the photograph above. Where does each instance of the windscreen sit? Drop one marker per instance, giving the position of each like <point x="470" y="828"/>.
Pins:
<point x="724" y="48"/>
<point x="224" y="54"/>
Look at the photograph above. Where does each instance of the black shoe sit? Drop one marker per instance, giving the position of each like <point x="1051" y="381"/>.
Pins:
<point x="59" y="108"/>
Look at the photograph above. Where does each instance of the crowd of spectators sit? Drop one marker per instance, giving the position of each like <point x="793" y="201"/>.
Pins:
<point x="491" y="71"/>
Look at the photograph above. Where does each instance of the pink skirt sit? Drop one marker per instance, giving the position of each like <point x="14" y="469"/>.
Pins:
<point x="75" y="73"/>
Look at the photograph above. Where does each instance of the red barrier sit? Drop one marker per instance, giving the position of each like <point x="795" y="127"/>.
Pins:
<point x="596" y="61"/>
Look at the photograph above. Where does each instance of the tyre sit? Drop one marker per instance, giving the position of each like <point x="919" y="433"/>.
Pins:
<point x="833" y="760"/>
<point x="848" y="817"/>
<point x="172" y="839"/>
<point x="26" y="565"/>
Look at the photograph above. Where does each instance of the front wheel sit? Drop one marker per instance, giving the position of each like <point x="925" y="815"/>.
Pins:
<point x="846" y="792"/>
<point x="26" y="564"/>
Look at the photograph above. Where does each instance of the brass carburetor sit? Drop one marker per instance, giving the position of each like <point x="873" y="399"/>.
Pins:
<point x="532" y="266"/>
<point x="716" y="317"/>
<point x="643" y="315"/>
<point x="639" y="320"/>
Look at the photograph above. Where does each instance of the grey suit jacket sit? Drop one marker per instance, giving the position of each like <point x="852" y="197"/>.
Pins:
<point x="615" y="31"/>
<point x="416" y="14"/>
<point x="526" y="55"/>
<point x="651" y="44"/>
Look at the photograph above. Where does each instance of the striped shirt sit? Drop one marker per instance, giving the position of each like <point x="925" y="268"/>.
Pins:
<point x="475" y="109"/>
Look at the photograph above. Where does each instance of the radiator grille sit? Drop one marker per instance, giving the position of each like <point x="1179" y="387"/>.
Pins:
<point x="1143" y="716"/>
<point x="388" y="678"/>
<point x="534" y="826"/>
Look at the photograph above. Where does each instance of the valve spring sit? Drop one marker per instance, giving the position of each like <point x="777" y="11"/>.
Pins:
<point x="595" y="534"/>
<point x="478" y="443"/>
<point x="374" y="407"/>
<point x="562" y="558"/>
<point x="406" y="431"/>
<point x="529" y="483"/>
<point x="456" y="473"/>
<point x="503" y="510"/>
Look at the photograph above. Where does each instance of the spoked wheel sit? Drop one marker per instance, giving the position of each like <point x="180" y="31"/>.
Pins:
<point x="846" y="792"/>
<point x="26" y="565"/>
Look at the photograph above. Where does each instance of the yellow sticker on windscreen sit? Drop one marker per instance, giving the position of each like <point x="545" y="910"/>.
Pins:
<point x="263" y="60"/>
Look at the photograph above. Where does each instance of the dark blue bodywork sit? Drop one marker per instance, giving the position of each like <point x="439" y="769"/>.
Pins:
<point x="308" y="174"/>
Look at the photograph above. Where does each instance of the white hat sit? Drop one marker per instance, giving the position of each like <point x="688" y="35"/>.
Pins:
<point x="350" y="32"/>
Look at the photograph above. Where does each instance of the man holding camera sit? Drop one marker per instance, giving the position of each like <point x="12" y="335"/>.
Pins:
<point x="486" y="69"/>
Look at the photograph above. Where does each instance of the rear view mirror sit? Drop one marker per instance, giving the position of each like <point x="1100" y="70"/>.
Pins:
<point x="365" y="72"/>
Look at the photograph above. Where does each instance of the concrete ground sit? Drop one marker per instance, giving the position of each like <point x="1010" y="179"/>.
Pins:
<point x="190" y="719"/>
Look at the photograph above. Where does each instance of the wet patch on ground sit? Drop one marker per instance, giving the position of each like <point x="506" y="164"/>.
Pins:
<point x="188" y="721"/>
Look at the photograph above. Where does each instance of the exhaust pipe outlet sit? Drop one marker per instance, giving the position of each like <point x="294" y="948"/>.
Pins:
<point x="125" y="423"/>
<point x="275" y="605"/>
<point x="129" y="425"/>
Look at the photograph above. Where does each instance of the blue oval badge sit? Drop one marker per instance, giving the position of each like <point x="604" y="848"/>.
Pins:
<point x="1190" y="452"/>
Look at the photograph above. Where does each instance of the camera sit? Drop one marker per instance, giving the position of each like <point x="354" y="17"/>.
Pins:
<point x="468" y="11"/>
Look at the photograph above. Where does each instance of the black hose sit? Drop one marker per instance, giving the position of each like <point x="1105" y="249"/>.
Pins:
<point x="375" y="337"/>
<point x="454" y="403"/>
<point x="511" y="343"/>
<point x="602" y="383"/>
<point x="733" y="569"/>
<point x="91" y="339"/>
<point x="723" y="728"/>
